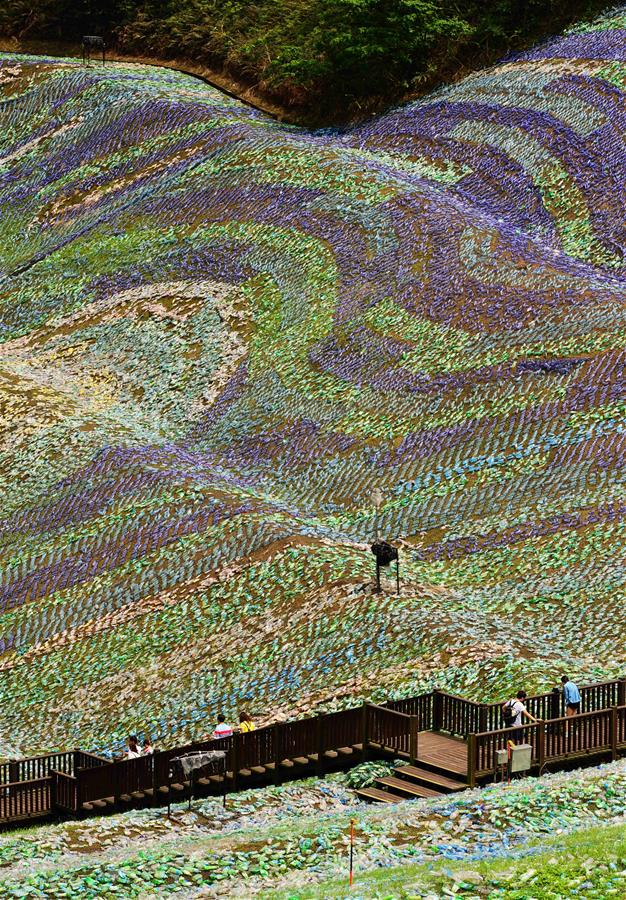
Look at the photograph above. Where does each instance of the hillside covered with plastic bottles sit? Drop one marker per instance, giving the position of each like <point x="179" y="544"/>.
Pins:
<point x="222" y="338"/>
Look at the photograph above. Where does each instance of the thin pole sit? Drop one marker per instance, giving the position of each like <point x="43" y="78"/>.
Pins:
<point x="351" y="851"/>
<point x="377" y="576"/>
<point x="224" y="782"/>
<point x="398" y="574"/>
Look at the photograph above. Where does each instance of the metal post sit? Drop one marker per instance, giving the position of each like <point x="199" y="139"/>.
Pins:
<point x="398" y="574"/>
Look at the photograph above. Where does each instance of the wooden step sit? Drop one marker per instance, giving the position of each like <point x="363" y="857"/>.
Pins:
<point x="345" y="751"/>
<point x="430" y="779"/>
<point x="127" y="798"/>
<point x="331" y="754"/>
<point x="216" y="779"/>
<point x="404" y="787"/>
<point x="301" y="760"/>
<point x="138" y="795"/>
<point x="245" y="773"/>
<point x="258" y="770"/>
<point x="99" y="804"/>
<point x="377" y="795"/>
<point x="87" y="807"/>
<point x="287" y="763"/>
<point x="110" y="801"/>
<point x="148" y="791"/>
<point x="164" y="789"/>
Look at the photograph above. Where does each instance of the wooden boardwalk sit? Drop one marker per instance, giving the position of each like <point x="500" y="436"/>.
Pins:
<point x="440" y="751"/>
<point x="449" y="742"/>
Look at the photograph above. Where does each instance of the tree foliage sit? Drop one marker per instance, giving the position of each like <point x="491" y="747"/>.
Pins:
<point x="327" y="55"/>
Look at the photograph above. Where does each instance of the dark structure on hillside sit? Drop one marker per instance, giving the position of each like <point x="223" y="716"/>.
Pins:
<point x="93" y="42"/>
<point x="384" y="554"/>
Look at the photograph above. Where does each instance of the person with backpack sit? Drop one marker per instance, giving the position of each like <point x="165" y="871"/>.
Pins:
<point x="514" y="710"/>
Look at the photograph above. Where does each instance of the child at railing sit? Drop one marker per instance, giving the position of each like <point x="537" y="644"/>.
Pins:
<point x="133" y="751"/>
<point x="245" y="722"/>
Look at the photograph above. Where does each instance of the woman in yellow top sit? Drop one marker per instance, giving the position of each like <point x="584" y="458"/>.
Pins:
<point x="245" y="722"/>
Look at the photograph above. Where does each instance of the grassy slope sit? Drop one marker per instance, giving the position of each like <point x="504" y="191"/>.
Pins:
<point x="589" y="863"/>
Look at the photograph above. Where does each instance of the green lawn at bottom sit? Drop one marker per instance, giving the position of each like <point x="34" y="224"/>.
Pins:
<point x="584" y="864"/>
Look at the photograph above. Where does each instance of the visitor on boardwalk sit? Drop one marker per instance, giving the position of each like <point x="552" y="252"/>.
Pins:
<point x="222" y="729"/>
<point x="133" y="751"/>
<point x="147" y="749"/>
<point x="245" y="722"/>
<point x="571" y="696"/>
<point x="514" y="710"/>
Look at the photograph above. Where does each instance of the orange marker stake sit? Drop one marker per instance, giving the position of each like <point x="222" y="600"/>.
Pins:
<point x="351" y="850"/>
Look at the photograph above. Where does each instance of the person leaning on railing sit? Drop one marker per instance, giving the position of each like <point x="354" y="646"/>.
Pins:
<point x="514" y="710"/>
<point x="571" y="696"/>
<point x="245" y="722"/>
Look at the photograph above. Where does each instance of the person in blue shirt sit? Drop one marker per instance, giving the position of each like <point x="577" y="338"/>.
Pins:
<point x="571" y="695"/>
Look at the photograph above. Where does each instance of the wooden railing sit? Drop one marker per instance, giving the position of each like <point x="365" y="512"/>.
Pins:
<point x="34" y="767"/>
<point x="341" y="729"/>
<point x="602" y="731"/>
<point x="388" y="728"/>
<point x="64" y="791"/>
<point x="75" y="777"/>
<point x="84" y="760"/>
<point x="579" y="734"/>
<point x="25" y="799"/>
<point x="420" y="706"/>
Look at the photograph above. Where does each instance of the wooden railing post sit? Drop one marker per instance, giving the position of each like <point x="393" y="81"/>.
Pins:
<point x="155" y="780"/>
<point x="482" y="718"/>
<point x="621" y="692"/>
<point x="555" y="703"/>
<point x="471" y="760"/>
<point x="413" y="732"/>
<point x="365" y="736"/>
<point x="117" y="779"/>
<point x="277" y="753"/>
<point x="14" y="770"/>
<point x="79" y="792"/>
<point x="235" y="753"/>
<point x="53" y="789"/>
<point x="437" y="710"/>
<point x="541" y="745"/>
<point x="319" y="733"/>
<point x="614" y="732"/>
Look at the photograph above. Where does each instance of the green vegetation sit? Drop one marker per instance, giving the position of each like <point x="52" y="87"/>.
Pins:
<point x="320" y="58"/>
<point x="589" y="863"/>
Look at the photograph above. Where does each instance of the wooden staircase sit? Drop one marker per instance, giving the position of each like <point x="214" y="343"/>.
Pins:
<point x="409" y="782"/>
